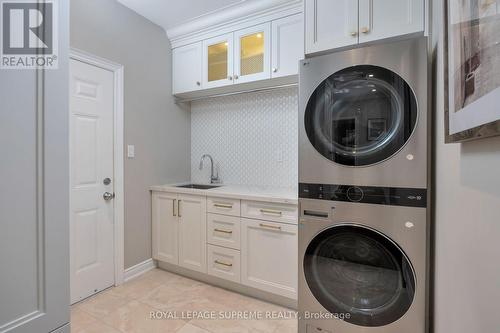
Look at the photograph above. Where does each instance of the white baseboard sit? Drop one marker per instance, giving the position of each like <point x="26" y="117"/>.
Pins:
<point x="139" y="269"/>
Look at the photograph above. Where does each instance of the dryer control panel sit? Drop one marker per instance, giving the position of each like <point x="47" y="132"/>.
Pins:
<point x="393" y="196"/>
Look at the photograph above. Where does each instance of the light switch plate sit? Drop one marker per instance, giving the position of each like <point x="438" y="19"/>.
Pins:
<point x="130" y="151"/>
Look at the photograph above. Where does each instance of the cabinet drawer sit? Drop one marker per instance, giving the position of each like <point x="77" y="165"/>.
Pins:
<point x="223" y="230"/>
<point x="224" y="263"/>
<point x="223" y="206"/>
<point x="284" y="213"/>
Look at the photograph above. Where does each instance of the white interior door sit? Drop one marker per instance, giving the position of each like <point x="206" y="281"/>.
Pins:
<point x="91" y="164"/>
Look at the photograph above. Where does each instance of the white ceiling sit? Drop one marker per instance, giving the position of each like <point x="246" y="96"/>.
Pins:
<point x="170" y="13"/>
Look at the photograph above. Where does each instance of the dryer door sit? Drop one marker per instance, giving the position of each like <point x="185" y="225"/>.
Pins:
<point x="351" y="269"/>
<point x="361" y="115"/>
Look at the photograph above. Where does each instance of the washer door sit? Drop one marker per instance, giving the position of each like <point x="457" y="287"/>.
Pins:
<point x="361" y="115"/>
<point x="356" y="270"/>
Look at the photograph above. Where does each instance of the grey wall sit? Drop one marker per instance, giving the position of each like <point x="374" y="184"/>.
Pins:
<point x="467" y="223"/>
<point x="159" y="129"/>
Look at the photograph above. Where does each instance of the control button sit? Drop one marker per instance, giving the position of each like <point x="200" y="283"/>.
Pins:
<point x="355" y="194"/>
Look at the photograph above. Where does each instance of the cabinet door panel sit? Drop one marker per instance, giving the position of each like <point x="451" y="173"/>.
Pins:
<point x="218" y="61"/>
<point x="269" y="254"/>
<point x="287" y="45"/>
<point x="252" y="53"/>
<point x="165" y="228"/>
<point x="186" y="68"/>
<point x="330" y="24"/>
<point x="379" y="19"/>
<point x="192" y="232"/>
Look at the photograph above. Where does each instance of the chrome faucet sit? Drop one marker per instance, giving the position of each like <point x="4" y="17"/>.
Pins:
<point x="214" y="178"/>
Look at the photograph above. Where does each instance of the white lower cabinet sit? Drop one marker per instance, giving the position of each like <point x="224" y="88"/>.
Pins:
<point x="192" y="232"/>
<point x="179" y="230"/>
<point x="259" y="252"/>
<point x="269" y="256"/>
<point x="224" y="263"/>
<point x="165" y="227"/>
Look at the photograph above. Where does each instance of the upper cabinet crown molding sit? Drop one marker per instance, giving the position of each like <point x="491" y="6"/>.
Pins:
<point x="231" y="18"/>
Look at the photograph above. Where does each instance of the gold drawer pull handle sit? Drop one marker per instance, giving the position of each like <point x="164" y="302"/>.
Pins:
<point x="223" y="231"/>
<point x="226" y="206"/>
<point x="269" y="226"/>
<point x="271" y="211"/>
<point x="223" y="263"/>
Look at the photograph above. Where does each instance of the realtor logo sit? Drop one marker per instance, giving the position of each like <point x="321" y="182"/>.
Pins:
<point x="28" y="34"/>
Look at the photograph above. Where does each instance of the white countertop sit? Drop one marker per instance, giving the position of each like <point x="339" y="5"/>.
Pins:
<point x="244" y="192"/>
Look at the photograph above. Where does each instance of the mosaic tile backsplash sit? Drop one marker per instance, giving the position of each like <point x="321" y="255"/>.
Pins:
<point x="252" y="137"/>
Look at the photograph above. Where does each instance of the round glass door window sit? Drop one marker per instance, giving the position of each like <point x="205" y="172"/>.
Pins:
<point x="357" y="271"/>
<point x="361" y="115"/>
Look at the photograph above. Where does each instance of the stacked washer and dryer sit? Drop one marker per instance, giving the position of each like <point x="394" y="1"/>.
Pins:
<point x="363" y="192"/>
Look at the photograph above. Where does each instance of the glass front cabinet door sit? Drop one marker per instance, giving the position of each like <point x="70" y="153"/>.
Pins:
<point x="252" y="50"/>
<point x="218" y="61"/>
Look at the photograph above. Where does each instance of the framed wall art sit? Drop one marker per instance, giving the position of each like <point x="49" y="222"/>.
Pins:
<point x="472" y="69"/>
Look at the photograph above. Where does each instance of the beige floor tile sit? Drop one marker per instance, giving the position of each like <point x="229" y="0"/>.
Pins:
<point x="180" y="295"/>
<point x="136" y="288"/>
<point x="287" y="326"/>
<point x="135" y="317"/>
<point x="97" y="327"/>
<point x="127" y="309"/>
<point x="103" y="304"/>
<point x="80" y="319"/>
<point x="237" y="326"/>
<point x="192" y="329"/>
<point x="160" y="276"/>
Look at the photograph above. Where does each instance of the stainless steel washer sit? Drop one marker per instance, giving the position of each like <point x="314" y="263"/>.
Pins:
<point x="363" y="267"/>
<point x="363" y="116"/>
<point x="363" y="178"/>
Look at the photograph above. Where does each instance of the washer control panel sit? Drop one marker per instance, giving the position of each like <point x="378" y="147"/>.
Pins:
<point x="394" y="196"/>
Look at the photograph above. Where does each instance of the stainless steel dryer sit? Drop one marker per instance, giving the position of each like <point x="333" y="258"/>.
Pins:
<point x="363" y="173"/>
<point x="362" y="265"/>
<point x="363" y="116"/>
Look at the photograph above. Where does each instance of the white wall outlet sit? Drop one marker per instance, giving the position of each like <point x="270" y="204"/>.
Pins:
<point x="130" y="151"/>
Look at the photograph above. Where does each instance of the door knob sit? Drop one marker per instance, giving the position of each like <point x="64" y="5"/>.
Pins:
<point x="354" y="33"/>
<point x="108" y="196"/>
<point x="365" y="30"/>
<point x="275" y="70"/>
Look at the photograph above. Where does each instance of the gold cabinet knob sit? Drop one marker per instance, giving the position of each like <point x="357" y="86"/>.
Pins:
<point x="354" y="33"/>
<point x="365" y="30"/>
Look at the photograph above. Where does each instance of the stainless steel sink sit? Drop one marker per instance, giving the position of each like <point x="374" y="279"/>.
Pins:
<point x="199" y="187"/>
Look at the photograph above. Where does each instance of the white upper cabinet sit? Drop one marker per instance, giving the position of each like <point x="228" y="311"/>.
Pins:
<point x="287" y="45"/>
<point x="379" y="19"/>
<point x="187" y="68"/>
<point x="252" y="53"/>
<point x="330" y="24"/>
<point x="218" y="61"/>
<point x="340" y="23"/>
<point x="236" y="49"/>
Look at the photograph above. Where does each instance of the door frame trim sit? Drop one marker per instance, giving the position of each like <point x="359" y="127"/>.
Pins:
<point x="118" y="154"/>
